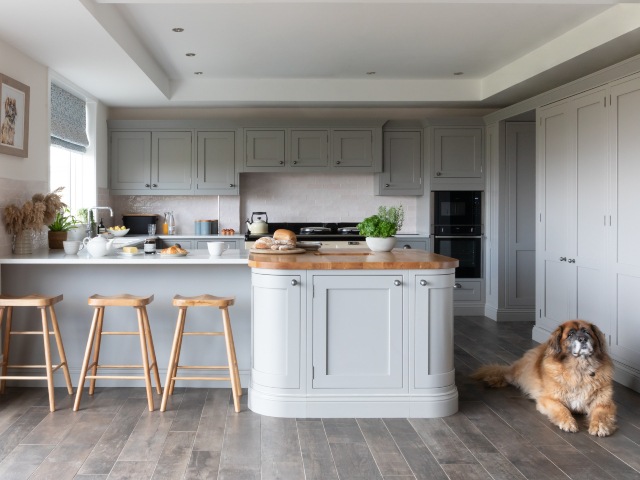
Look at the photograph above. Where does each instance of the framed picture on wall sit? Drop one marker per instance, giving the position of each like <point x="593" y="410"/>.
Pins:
<point x="14" y="117"/>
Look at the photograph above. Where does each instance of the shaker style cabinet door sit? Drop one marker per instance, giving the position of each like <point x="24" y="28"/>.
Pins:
<point x="357" y="331"/>
<point x="216" y="163"/>
<point x="402" y="164"/>
<point x="264" y="148"/>
<point x="352" y="148"/>
<point x="130" y="157"/>
<point x="457" y="152"/>
<point x="171" y="165"/>
<point x="309" y="148"/>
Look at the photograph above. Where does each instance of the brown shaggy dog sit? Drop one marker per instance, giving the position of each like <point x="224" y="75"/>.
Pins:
<point x="572" y="372"/>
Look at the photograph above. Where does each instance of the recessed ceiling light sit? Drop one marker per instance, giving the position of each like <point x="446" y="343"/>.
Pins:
<point x="197" y="73"/>
<point x="177" y="29"/>
<point x="191" y="54"/>
<point x="458" y="73"/>
<point x="371" y="73"/>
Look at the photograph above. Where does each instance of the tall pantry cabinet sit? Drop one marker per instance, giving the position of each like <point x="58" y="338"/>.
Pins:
<point x="587" y="261"/>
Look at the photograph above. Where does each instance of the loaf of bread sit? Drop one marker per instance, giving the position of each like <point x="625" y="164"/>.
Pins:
<point x="284" y="237"/>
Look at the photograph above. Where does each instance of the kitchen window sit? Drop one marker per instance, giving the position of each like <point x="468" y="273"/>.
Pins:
<point x="72" y="159"/>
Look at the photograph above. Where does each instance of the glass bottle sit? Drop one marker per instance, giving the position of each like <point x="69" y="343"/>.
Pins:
<point x="165" y="225"/>
<point x="93" y="229"/>
<point x="171" y="224"/>
<point x="101" y="228"/>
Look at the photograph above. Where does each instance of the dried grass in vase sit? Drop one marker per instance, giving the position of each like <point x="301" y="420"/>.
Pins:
<point x="35" y="213"/>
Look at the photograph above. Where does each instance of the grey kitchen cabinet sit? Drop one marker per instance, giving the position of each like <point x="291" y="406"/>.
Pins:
<point x="357" y="331"/>
<point x="151" y="163"/>
<point x="402" y="164"/>
<point x="352" y="148"/>
<point x="456" y="155"/>
<point x="421" y="243"/>
<point x="264" y="149"/>
<point x="309" y="148"/>
<point x="276" y="315"/>
<point x="202" y="244"/>
<point x="216" y="163"/>
<point x="167" y="242"/>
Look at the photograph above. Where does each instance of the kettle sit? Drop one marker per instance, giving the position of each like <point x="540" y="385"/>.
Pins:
<point x="258" y="226"/>
<point x="98" y="246"/>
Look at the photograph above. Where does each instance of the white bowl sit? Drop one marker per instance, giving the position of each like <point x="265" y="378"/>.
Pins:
<point x="118" y="233"/>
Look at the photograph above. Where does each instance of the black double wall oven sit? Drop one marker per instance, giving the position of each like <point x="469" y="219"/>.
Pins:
<point x="457" y="229"/>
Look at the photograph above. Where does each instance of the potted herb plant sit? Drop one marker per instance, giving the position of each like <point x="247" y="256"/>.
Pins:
<point x="59" y="228"/>
<point x="380" y="229"/>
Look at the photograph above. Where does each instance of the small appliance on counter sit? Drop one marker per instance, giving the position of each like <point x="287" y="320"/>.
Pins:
<point x="335" y="235"/>
<point x="138" y="223"/>
<point x="258" y="226"/>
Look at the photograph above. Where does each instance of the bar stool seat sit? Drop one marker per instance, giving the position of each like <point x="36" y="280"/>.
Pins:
<point x="223" y="304"/>
<point x="45" y="304"/>
<point x="149" y="363"/>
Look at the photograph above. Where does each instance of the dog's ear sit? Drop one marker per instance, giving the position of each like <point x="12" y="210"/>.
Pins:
<point x="555" y="342"/>
<point x="600" y="340"/>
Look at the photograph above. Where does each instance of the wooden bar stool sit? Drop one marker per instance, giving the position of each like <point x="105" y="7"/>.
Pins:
<point x="44" y="303"/>
<point x="95" y="339"/>
<point x="223" y="304"/>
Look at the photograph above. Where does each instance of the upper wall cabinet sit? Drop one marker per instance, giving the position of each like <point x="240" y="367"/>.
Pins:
<point x="151" y="163"/>
<point x="312" y="150"/>
<point x="456" y="155"/>
<point x="402" y="164"/>
<point x="216" y="163"/>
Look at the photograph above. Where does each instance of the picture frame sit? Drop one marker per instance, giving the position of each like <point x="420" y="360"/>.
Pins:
<point x="14" y="117"/>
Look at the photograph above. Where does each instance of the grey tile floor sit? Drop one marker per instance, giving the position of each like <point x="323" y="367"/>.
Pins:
<point x="497" y="434"/>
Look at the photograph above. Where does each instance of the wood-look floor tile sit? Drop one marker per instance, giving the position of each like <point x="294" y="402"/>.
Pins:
<point x="210" y="432"/>
<point x="316" y="454"/>
<point x="240" y="458"/>
<point x="175" y="456"/>
<point x="383" y="448"/>
<point x="351" y="455"/>
<point x="445" y="446"/>
<point x="146" y="442"/>
<point x="20" y="429"/>
<point x="203" y="465"/>
<point x="281" y="457"/>
<point x="126" y="470"/>
<point x="23" y="461"/>
<point x="62" y="463"/>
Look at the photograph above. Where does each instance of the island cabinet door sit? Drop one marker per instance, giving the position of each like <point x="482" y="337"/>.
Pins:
<point x="357" y="332"/>
<point x="275" y="327"/>
<point x="431" y="332"/>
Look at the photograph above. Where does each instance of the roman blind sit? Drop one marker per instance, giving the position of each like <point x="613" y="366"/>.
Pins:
<point x="68" y="120"/>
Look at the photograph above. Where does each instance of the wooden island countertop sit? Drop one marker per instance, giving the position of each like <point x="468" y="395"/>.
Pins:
<point x="353" y="259"/>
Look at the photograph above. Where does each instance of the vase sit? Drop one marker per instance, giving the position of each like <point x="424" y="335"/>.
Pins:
<point x="56" y="239"/>
<point x="23" y="243"/>
<point x="381" y="244"/>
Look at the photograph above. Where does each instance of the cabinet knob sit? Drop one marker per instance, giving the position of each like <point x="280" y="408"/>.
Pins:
<point x="231" y="185"/>
<point x="438" y="174"/>
<point x="295" y="162"/>
<point x="572" y="260"/>
<point x="147" y="185"/>
<point x="457" y="286"/>
<point x="563" y="259"/>
<point x="423" y="283"/>
<point x="397" y="283"/>
<point x="386" y="185"/>
<point x="281" y="162"/>
<point x="407" y="247"/>
<point x="294" y="282"/>
<point x="338" y="162"/>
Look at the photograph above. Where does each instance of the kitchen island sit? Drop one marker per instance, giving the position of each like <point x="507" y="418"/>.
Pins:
<point x="352" y="333"/>
<point x="329" y="333"/>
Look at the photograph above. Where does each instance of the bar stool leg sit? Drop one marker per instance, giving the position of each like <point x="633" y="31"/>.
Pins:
<point x="173" y="360"/>
<point x="85" y="361"/>
<point x="47" y="358"/>
<point x="145" y="358"/>
<point x="5" y="347"/>
<point x="152" y="350"/>
<point x="96" y="350"/>
<point x="178" y="350"/>
<point x="231" y="358"/>
<point x="61" y="353"/>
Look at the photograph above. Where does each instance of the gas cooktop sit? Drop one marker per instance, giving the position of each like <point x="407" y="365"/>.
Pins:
<point x="311" y="231"/>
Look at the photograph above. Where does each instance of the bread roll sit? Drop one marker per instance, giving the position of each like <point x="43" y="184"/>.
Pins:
<point x="284" y="237"/>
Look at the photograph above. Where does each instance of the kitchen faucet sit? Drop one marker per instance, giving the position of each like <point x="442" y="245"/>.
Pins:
<point x="89" y="232"/>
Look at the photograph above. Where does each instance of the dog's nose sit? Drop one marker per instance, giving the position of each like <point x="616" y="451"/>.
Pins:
<point x="583" y="338"/>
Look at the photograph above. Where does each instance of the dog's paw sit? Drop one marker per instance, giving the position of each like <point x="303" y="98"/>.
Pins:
<point x="569" y="425"/>
<point x="601" y="429"/>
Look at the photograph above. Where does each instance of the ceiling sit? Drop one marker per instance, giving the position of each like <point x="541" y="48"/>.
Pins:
<point x="321" y="53"/>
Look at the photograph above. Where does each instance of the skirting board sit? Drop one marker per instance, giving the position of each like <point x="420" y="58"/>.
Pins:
<point x="510" y="315"/>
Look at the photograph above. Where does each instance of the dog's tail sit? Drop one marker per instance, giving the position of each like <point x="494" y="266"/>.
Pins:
<point x="493" y="375"/>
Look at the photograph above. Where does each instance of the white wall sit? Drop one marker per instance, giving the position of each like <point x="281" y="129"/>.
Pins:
<point x="21" y="177"/>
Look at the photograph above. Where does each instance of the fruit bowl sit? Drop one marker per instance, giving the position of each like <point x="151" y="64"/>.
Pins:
<point x="118" y="233"/>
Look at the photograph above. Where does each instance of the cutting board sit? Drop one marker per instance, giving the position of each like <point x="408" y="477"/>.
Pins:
<point x="278" y="252"/>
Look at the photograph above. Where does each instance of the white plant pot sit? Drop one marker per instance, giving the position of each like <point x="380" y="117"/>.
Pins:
<point x="379" y="244"/>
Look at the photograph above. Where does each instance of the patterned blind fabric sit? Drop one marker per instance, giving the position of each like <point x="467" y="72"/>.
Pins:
<point x="68" y="120"/>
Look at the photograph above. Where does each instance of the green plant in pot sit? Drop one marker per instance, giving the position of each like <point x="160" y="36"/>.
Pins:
<point x="380" y="229"/>
<point x="59" y="228"/>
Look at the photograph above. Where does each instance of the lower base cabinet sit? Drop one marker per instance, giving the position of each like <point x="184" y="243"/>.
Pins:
<point x="352" y="343"/>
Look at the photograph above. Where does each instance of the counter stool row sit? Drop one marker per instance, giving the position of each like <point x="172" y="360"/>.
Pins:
<point x="91" y="371"/>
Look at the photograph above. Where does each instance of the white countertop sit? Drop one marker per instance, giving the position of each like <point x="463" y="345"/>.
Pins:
<point x="58" y="257"/>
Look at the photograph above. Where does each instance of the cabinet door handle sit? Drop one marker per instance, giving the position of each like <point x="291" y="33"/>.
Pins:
<point x="407" y="247"/>
<point x="397" y="283"/>
<point x="231" y="185"/>
<point x="338" y="162"/>
<point x="281" y="162"/>
<point x="572" y="260"/>
<point x="295" y="162"/>
<point x="294" y="282"/>
<point x="386" y="185"/>
<point x="147" y="185"/>
<point x="154" y="185"/>
<point x="423" y="283"/>
<point x="563" y="259"/>
<point x="457" y="286"/>
<point x="438" y="174"/>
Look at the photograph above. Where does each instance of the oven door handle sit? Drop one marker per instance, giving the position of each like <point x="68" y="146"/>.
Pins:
<point x="458" y="236"/>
